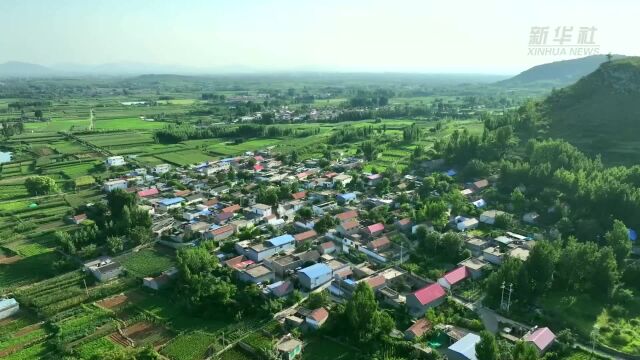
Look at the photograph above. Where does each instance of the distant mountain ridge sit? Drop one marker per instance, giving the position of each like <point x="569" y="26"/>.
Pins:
<point x="557" y="74"/>
<point x="600" y="114"/>
<point x="23" y="69"/>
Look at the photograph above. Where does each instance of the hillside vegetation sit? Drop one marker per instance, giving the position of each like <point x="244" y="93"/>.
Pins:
<point x="557" y="74"/>
<point x="600" y="114"/>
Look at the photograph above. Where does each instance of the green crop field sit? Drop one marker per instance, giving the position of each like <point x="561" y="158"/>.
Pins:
<point x="229" y="149"/>
<point x="131" y="123"/>
<point x="190" y="346"/>
<point x="27" y="270"/>
<point x="68" y="147"/>
<point x="325" y="349"/>
<point x="57" y="125"/>
<point x="182" y="158"/>
<point x="147" y="262"/>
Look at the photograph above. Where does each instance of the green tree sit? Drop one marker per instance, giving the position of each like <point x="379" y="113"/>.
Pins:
<point x="618" y="239"/>
<point x="452" y="245"/>
<point x="363" y="316"/>
<point x="487" y="348"/>
<point x="369" y="150"/>
<point x="203" y="283"/>
<point x="115" y="244"/>
<point x="40" y="185"/>
<point x="604" y="273"/>
<point x="524" y="351"/>
<point x="541" y="266"/>
<point x="140" y="235"/>
<point x="318" y="299"/>
<point x="117" y="200"/>
<point x="324" y="224"/>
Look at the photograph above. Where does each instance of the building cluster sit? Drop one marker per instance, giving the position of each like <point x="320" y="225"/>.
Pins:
<point x="289" y="253"/>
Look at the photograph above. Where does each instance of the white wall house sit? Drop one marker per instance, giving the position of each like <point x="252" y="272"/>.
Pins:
<point x="342" y="179"/>
<point x="215" y="168"/>
<point x="161" y="168"/>
<point x="115" y="161"/>
<point x="261" y="210"/>
<point x="115" y="184"/>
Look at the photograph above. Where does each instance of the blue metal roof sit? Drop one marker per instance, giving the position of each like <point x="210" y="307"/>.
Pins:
<point x="347" y="196"/>
<point x="281" y="240"/>
<point x="171" y="201"/>
<point x="466" y="346"/>
<point x="451" y="172"/>
<point x="316" y="270"/>
<point x="633" y="235"/>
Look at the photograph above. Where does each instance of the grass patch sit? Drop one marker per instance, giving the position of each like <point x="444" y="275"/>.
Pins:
<point x="190" y="346"/>
<point x="326" y="349"/>
<point x="146" y="262"/>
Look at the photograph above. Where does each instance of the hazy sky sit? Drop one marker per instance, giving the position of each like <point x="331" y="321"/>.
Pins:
<point x="488" y="36"/>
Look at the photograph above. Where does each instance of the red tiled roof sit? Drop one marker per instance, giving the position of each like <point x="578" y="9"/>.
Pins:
<point x="305" y="235"/>
<point x="429" y="294"/>
<point x="148" y="192"/>
<point x="223" y="229"/>
<point x="405" y="221"/>
<point x="258" y="158"/>
<point x="80" y="217"/>
<point x="347" y="215"/>
<point x="541" y="338"/>
<point x="224" y="215"/>
<point x="303" y="175"/>
<point x="233" y="262"/>
<point x="319" y="314"/>
<point x="232" y="208"/>
<point x="258" y="167"/>
<point x="419" y="327"/>
<point x="350" y="224"/>
<point x="330" y="175"/>
<point x="379" y="242"/>
<point x="299" y="195"/>
<point x="376" y="281"/>
<point x="211" y="202"/>
<point x="455" y="276"/>
<point x="182" y="192"/>
<point x="375" y="228"/>
<point x="327" y="245"/>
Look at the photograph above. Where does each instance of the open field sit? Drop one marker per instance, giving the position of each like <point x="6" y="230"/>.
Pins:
<point x="147" y="262"/>
<point x="325" y="349"/>
<point x="132" y="123"/>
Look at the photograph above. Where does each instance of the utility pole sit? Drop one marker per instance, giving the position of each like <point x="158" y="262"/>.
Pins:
<point x="502" y="296"/>
<point x="510" y="291"/>
<point x="86" y="291"/>
<point x="401" y="253"/>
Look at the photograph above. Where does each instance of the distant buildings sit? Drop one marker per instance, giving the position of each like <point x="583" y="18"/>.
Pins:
<point x="104" y="268"/>
<point x="466" y="347"/>
<point x="115" y="161"/>
<point x="429" y="296"/>
<point x="171" y="203"/>
<point x="111" y="185"/>
<point x="314" y="276"/>
<point x="270" y="247"/>
<point x="161" y="169"/>
<point x="541" y="338"/>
